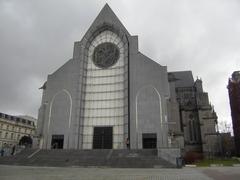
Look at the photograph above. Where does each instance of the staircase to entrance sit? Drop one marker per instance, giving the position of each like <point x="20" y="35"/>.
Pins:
<point x="145" y="158"/>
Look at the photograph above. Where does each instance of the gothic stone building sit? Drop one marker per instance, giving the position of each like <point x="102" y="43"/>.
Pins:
<point x="109" y="93"/>
<point x="192" y="119"/>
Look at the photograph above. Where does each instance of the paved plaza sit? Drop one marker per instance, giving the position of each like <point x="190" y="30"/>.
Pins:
<point x="76" y="173"/>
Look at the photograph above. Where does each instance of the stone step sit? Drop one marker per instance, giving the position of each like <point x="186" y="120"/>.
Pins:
<point x="86" y="158"/>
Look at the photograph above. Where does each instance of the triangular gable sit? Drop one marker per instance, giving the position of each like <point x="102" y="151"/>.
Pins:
<point x="106" y="17"/>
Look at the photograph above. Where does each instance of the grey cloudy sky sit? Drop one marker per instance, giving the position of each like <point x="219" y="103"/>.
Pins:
<point x="36" y="37"/>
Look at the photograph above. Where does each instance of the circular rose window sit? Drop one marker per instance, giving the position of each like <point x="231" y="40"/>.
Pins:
<point x="105" y="55"/>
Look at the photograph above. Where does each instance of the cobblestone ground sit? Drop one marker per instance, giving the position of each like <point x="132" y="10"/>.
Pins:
<point x="52" y="173"/>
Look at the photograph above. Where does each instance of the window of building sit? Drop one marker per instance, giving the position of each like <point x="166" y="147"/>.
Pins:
<point x="18" y="136"/>
<point x="193" y="131"/>
<point x="11" y="135"/>
<point x="190" y="130"/>
<point x="0" y="134"/>
<point x="6" y="135"/>
<point x="7" y="127"/>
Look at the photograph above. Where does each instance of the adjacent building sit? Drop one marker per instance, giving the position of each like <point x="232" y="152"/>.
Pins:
<point x="13" y="128"/>
<point x="234" y="98"/>
<point x="228" y="145"/>
<point x="192" y="119"/>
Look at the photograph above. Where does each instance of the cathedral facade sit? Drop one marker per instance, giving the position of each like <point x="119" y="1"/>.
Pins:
<point x="111" y="96"/>
<point x="108" y="96"/>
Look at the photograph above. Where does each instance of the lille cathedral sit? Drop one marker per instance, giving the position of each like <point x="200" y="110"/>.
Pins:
<point x="111" y="96"/>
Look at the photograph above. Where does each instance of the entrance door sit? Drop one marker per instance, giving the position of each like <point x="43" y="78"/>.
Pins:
<point x="57" y="141"/>
<point x="149" y="141"/>
<point x="102" y="138"/>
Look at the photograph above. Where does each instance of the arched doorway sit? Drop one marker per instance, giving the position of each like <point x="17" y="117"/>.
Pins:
<point x="26" y="141"/>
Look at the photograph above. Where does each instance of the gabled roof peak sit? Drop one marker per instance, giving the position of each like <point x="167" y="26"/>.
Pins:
<point x="106" y="8"/>
<point x="106" y="17"/>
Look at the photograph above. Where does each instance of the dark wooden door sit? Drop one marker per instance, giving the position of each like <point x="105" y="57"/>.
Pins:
<point x="57" y="141"/>
<point x="102" y="138"/>
<point x="149" y="141"/>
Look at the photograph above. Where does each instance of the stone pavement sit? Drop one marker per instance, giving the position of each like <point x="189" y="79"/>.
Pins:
<point x="223" y="173"/>
<point x="76" y="173"/>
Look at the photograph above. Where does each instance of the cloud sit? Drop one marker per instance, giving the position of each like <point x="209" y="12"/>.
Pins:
<point x="37" y="38"/>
